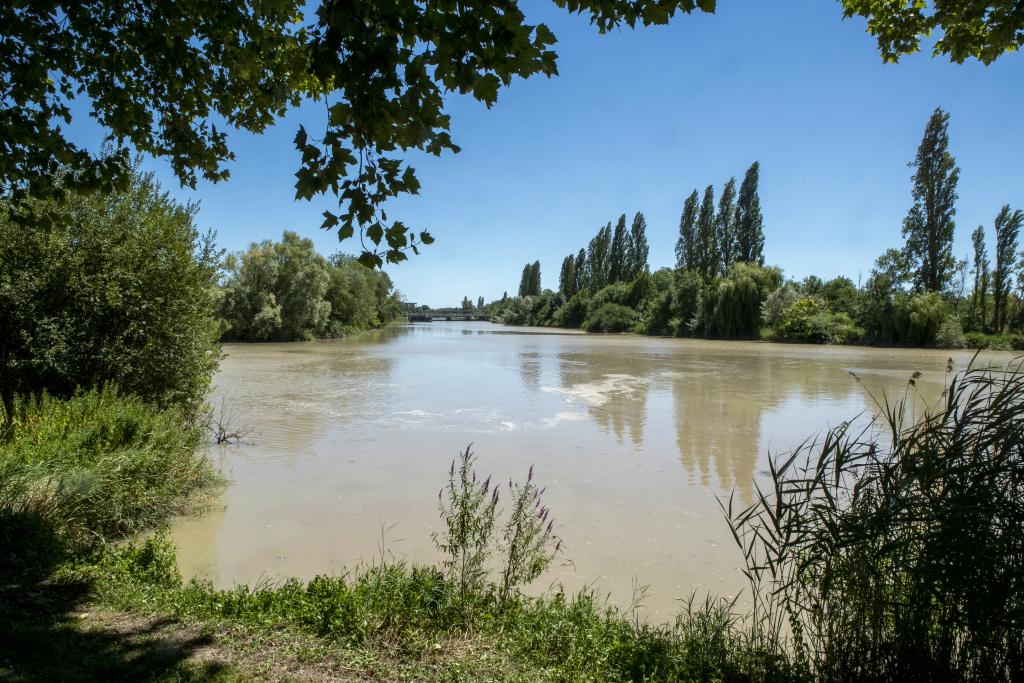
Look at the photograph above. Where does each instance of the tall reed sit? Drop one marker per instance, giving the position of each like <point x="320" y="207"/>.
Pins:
<point x="896" y="551"/>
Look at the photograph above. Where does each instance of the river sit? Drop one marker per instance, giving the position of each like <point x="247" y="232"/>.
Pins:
<point x="636" y="439"/>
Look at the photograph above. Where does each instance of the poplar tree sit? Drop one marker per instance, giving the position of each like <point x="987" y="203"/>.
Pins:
<point x="597" y="257"/>
<point x="524" y="281"/>
<point x="580" y="271"/>
<point x="725" y="226"/>
<point x="638" y="248"/>
<point x="480" y="302"/>
<point x="749" y="228"/>
<point x="928" y="227"/>
<point x="707" y="246"/>
<point x="979" y="297"/>
<point x="617" y="253"/>
<point x="567" y="277"/>
<point x="686" y="245"/>
<point x="1008" y="224"/>
<point x="535" y="278"/>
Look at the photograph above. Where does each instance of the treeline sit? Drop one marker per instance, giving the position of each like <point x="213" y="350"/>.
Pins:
<point x="121" y="288"/>
<point x="916" y="295"/>
<point x="286" y="291"/>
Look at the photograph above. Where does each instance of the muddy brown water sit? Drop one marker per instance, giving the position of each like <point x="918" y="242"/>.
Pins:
<point x="635" y="438"/>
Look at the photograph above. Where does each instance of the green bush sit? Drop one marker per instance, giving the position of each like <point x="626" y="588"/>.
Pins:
<point x="687" y="295"/>
<point x="950" y="335"/>
<point x="611" y="318"/>
<point x="776" y="303"/>
<point x="122" y="292"/>
<point x="797" y="323"/>
<point x="573" y="312"/>
<point x="995" y="342"/>
<point x="96" y="467"/>
<point x="918" y="318"/>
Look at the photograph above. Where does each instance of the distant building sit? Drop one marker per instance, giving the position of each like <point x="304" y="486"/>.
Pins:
<point x="408" y="306"/>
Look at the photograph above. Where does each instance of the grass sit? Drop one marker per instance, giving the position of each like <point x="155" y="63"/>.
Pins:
<point x="894" y="552"/>
<point x="100" y="467"/>
<point x="398" y="621"/>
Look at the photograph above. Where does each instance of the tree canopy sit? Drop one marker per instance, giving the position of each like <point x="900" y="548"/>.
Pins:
<point x="982" y="29"/>
<point x="172" y="79"/>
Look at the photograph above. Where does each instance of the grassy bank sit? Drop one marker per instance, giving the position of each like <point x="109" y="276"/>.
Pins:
<point x="80" y="473"/>
<point x="872" y="556"/>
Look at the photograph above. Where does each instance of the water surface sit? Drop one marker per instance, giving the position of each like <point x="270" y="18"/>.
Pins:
<point x="635" y="438"/>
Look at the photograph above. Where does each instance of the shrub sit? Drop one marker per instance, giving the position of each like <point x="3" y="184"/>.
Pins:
<point x="898" y="555"/>
<point x="776" y="303"/>
<point x="121" y="292"/>
<point x="796" y="323"/>
<point x="611" y="318"/>
<point x="841" y="295"/>
<point x="950" y="335"/>
<point x="687" y="295"/>
<point x="97" y="467"/>
<point x="573" y="312"/>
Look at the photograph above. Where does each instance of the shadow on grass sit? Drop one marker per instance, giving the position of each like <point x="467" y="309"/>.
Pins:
<point x="47" y="634"/>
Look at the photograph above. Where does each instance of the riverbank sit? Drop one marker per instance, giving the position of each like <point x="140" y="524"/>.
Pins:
<point x="83" y="597"/>
<point x="95" y="609"/>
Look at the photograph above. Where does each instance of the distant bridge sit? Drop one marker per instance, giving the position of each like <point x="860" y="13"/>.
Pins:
<point x="445" y="314"/>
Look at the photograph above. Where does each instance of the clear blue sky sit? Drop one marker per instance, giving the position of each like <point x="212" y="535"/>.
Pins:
<point x="638" y="119"/>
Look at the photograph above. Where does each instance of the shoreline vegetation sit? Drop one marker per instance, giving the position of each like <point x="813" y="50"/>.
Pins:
<point x="861" y="552"/>
<point x="919" y="295"/>
<point x="861" y="548"/>
<point x="895" y="553"/>
<point x="104" y="412"/>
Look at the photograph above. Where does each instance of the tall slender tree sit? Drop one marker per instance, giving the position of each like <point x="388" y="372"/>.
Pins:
<point x="567" y="277"/>
<point x="638" y="250"/>
<point x="725" y="226"/>
<point x="535" y="278"/>
<point x="480" y="302"/>
<point x="707" y="238"/>
<point x="580" y="271"/>
<point x="979" y="295"/>
<point x="524" y="281"/>
<point x="617" y="253"/>
<point x="686" y="245"/>
<point x="1008" y="224"/>
<point x="928" y="227"/>
<point x="749" y="243"/>
<point x="597" y="257"/>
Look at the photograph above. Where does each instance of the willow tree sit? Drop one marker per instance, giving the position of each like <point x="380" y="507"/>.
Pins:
<point x="1007" y="224"/>
<point x="928" y="227"/>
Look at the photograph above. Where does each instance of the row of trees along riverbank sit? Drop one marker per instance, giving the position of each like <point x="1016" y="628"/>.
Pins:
<point x="917" y="295"/>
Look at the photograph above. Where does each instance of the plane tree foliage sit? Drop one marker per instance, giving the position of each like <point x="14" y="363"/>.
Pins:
<point x="174" y="80"/>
